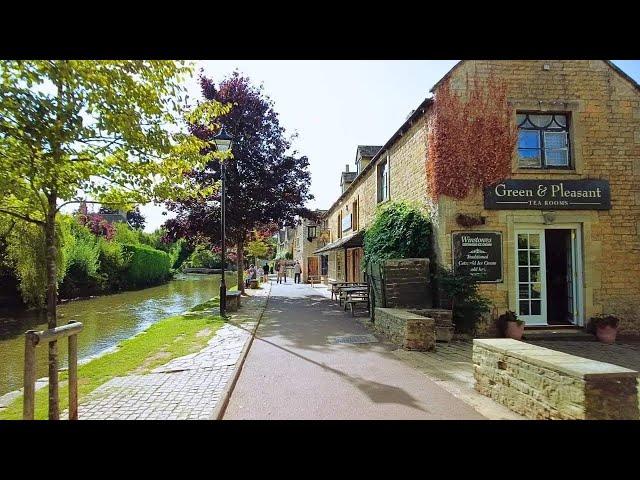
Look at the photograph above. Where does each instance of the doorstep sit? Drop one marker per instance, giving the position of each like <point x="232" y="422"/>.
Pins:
<point x="557" y="332"/>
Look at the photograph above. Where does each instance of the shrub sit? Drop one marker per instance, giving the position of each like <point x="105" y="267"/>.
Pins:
<point x="114" y="262"/>
<point x="148" y="266"/>
<point x="124" y="234"/>
<point x="508" y="316"/>
<point x="82" y="263"/>
<point x="202" y="257"/>
<point x="460" y="293"/>
<point x="601" y="321"/>
<point x="25" y="253"/>
<point x="400" y="230"/>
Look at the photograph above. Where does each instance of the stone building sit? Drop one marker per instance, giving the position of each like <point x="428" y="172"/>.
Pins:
<point x="307" y="239"/>
<point x="558" y="240"/>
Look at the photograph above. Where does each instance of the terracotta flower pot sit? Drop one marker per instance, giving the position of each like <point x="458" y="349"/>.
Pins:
<point x="514" y="330"/>
<point x="607" y="334"/>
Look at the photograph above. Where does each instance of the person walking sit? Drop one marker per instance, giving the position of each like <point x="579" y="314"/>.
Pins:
<point x="265" y="270"/>
<point x="279" y="272"/>
<point x="282" y="272"/>
<point x="297" y="270"/>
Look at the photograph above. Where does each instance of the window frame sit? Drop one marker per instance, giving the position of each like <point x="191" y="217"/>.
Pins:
<point x="541" y="131"/>
<point x="315" y="231"/>
<point x="379" y="169"/>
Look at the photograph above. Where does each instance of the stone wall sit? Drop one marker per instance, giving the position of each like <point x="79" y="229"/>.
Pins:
<point x="407" y="283"/>
<point x="409" y="330"/>
<point x="443" y="321"/>
<point x="540" y="383"/>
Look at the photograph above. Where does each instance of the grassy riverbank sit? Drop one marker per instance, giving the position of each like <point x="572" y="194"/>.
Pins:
<point x="167" y="339"/>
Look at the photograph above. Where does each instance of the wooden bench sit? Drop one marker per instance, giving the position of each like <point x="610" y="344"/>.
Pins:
<point x="541" y="383"/>
<point x="233" y="301"/>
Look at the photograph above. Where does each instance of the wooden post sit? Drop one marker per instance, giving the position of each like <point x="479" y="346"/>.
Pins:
<point x="73" y="376"/>
<point x="29" y="392"/>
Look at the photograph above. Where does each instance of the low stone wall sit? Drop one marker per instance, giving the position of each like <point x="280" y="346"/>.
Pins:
<point x="443" y="319"/>
<point x="409" y="330"/>
<point x="541" y="383"/>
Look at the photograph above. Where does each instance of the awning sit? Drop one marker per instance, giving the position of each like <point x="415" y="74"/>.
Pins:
<point x="352" y="241"/>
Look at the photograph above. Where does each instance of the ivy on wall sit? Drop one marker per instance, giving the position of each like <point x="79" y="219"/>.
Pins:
<point x="471" y="139"/>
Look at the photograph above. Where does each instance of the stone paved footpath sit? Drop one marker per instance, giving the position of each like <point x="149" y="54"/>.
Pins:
<point x="186" y="388"/>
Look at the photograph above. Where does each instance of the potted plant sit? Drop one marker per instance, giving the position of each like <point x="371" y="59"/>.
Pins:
<point x="511" y="325"/>
<point x="606" y="327"/>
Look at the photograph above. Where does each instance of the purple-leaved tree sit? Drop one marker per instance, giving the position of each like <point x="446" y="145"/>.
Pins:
<point x="267" y="184"/>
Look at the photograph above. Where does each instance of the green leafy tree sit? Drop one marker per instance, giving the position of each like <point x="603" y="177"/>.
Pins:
<point x="96" y="128"/>
<point x="257" y="247"/>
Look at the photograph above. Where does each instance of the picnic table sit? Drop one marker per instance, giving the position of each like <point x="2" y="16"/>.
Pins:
<point x="336" y="286"/>
<point x="347" y="291"/>
<point x="357" y="295"/>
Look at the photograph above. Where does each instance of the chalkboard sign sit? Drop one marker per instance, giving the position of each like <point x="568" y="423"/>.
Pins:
<point x="548" y="195"/>
<point x="478" y="254"/>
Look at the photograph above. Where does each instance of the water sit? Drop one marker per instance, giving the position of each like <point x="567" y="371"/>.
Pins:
<point x="107" y="320"/>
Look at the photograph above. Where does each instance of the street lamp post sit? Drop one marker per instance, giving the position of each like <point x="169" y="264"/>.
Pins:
<point x="223" y="142"/>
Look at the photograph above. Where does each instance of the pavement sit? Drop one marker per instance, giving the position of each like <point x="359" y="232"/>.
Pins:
<point x="186" y="388"/>
<point x="297" y="369"/>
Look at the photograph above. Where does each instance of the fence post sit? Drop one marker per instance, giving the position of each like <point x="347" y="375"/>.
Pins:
<point x="29" y="392"/>
<point x="73" y="376"/>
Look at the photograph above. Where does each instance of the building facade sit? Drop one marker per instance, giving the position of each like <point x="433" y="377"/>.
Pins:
<point x="558" y="240"/>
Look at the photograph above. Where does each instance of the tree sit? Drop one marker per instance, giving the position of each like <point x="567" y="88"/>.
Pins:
<point x="257" y="247"/>
<point x="99" y="127"/>
<point x="134" y="217"/>
<point x="266" y="185"/>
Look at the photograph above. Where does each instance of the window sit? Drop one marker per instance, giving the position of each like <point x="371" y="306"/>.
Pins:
<point x="354" y="220"/>
<point x="543" y="140"/>
<point x="340" y="225"/>
<point x="383" y="181"/>
<point x="324" y="264"/>
<point x="311" y="232"/>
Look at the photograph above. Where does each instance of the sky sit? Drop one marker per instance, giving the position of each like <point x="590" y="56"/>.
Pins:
<point x="334" y="106"/>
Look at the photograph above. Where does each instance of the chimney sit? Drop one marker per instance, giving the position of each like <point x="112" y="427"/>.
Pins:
<point x="347" y="168"/>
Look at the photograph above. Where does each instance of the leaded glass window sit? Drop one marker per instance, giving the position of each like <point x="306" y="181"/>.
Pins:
<point x="543" y="140"/>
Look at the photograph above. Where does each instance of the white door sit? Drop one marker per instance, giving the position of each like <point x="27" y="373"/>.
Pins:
<point x="531" y="292"/>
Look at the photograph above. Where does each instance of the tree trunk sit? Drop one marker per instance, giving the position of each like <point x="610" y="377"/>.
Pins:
<point x="52" y="300"/>
<point x="240" y="266"/>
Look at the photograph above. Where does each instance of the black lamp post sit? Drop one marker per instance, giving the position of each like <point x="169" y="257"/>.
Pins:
<point x="223" y="142"/>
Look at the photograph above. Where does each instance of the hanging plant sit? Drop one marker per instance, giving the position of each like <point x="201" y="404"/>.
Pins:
<point x="471" y="141"/>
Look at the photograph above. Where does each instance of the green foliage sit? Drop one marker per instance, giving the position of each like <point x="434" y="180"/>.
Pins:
<point x="257" y="247"/>
<point x="25" y="254"/>
<point x="460" y="293"/>
<point x="126" y="234"/>
<point x="400" y="230"/>
<point x="148" y="266"/>
<point x="203" y="257"/>
<point x="114" y="262"/>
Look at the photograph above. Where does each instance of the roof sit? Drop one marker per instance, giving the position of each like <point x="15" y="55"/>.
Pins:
<point x="608" y="62"/>
<point x="368" y="150"/>
<point x="114" y="217"/>
<point x="353" y="240"/>
<point x="348" y="177"/>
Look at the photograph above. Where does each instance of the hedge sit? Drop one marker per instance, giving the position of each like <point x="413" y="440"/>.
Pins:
<point x="148" y="266"/>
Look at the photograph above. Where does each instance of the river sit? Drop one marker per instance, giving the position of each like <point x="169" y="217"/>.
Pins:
<point x="107" y="320"/>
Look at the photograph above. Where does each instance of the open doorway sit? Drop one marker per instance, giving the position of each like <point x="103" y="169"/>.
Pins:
<point x="560" y="276"/>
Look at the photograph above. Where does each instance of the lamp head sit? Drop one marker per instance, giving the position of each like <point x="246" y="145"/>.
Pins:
<point x="223" y="140"/>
